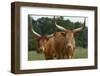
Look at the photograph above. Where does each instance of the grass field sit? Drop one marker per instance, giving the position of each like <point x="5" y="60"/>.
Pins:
<point x="79" y="53"/>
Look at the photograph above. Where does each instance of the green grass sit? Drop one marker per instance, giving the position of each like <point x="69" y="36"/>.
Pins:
<point x="79" y="53"/>
<point x="32" y="55"/>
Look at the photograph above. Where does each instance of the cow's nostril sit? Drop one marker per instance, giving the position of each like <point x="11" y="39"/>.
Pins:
<point x="69" y="46"/>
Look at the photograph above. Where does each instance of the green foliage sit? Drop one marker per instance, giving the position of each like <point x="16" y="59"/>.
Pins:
<point x="32" y="42"/>
<point x="82" y="38"/>
<point x="45" y="26"/>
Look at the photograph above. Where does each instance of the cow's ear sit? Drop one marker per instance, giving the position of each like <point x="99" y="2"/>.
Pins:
<point x="47" y="38"/>
<point x="76" y="34"/>
<point x="63" y="34"/>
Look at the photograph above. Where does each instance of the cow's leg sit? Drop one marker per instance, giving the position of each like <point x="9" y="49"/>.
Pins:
<point x="53" y="54"/>
<point x="66" y="54"/>
<point x="58" y="56"/>
<point x="48" y="58"/>
<point x="71" y="54"/>
<point x="48" y="55"/>
<point x="62" y="55"/>
<point x="68" y="57"/>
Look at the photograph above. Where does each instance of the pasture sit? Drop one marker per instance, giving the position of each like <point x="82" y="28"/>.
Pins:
<point x="79" y="53"/>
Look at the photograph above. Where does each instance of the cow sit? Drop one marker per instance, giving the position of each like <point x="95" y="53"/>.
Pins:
<point x="65" y="41"/>
<point x="45" y="44"/>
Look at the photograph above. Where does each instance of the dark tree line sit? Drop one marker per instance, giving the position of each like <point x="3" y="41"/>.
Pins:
<point x="45" y="26"/>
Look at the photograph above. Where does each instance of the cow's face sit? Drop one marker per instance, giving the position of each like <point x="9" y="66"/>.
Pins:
<point x="41" y="43"/>
<point x="69" y="39"/>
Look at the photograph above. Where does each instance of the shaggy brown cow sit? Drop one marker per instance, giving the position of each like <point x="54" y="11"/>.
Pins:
<point x="65" y="42"/>
<point x="45" y="45"/>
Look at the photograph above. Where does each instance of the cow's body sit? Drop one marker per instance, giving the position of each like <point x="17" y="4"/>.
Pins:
<point x="59" y="42"/>
<point x="49" y="50"/>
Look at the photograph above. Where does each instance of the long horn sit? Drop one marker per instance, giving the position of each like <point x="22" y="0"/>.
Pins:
<point x="81" y="28"/>
<point x="36" y="32"/>
<point x="58" y="26"/>
<point x="33" y="31"/>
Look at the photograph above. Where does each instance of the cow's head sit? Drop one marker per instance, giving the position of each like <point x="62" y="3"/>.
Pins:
<point x="41" y="40"/>
<point x="70" y="35"/>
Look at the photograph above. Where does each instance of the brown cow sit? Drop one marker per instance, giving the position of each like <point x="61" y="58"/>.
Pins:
<point x="45" y="45"/>
<point x="65" y="42"/>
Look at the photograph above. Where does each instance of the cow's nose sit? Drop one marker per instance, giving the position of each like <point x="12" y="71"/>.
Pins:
<point x="69" y="46"/>
<point x="40" y="50"/>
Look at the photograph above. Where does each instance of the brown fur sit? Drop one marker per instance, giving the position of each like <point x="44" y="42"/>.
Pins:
<point x="59" y="45"/>
<point x="49" y="51"/>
